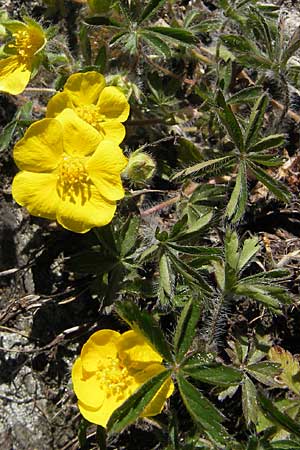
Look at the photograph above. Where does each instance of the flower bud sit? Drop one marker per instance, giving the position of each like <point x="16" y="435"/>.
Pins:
<point x="140" y="168"/>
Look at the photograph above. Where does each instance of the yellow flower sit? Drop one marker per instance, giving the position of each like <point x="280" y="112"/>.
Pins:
<point x="68" y="173"/>
<point x="112" y="367"/>
<point x="15" y="70"/>
<point x="102" y="107"/>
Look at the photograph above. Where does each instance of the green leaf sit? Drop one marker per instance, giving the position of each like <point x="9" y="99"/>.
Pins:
<point x="186" y="328"/>
<point x="272" y="141"/>
<point x="250" y="248"/>
<point x="156" y="43"/>
<point x="260" y="294"/>
<point x="245" y="95"/>
<point x="264" y="371"/>
<point x="132" y="408"/>
<point x="177" y="34"/>
<point x="292" y="47"/>
<point x="266" y="160"/>
<point x="144" y="323"/>
<point x="240" y="44"/>
<point x="101" y="58"/>
<point x="101" y="437"/>
<point x="82" y="429"/>
<point x="229" y="121"/>
<point x="285" y="445"/>
<point x="166" y="282"/>
<point x="213" y="253"/>
<point x="231" y="248"/>
<point x="7" y="134"/>
<point x="150" y="9"/>
<point x="278" y="418"/>
<point x="238" y="199"/>
<point x="85" y="45"/>
<point x="203" y="412"/>
<point x="213" y="164"/>
<point x="276" y="187"/>
<point x="190" y="274"/>
<point x="195" y="228"/>
<point x="256" y="120"/>
<point x="267" y="277"/>
<point x="216" y="374"/>
<point x="249" y="401"/>
<point x="128" y="235"/>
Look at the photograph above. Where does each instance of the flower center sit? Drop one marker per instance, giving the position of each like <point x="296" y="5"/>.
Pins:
<point x="91" y="114"/>
<point x="114" y="377"/>
<point x="26" y="43"/>
<point x="73" y="180"/>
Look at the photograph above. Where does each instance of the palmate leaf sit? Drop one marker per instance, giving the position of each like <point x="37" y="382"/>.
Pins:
<point x="203" y="413"/>
<point x="276" y="187"/>
<point x="144" y="323"/>
<point x="131" y="409"/>
<point x="186" y="328"/>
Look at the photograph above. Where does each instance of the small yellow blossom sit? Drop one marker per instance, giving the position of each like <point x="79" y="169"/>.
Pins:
<point x="111" y="367"/>
<point x="28" y="39"/>
<point x="68" y="173"/>
<point x="102" y="107"/>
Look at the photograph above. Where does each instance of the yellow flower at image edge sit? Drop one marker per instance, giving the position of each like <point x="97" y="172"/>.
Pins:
<point x="111" y="367"/>
<point x="28" y="39"/>
<point x="68" y="173"/>
<point x="103" y="107"/>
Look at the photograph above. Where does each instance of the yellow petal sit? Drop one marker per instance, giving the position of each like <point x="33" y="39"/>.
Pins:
<point x="100" y="345"/>
<point x="14" y="75"/>
<point x="37" y="192"/>
<point x="80" y="213"/>
<point x="113" y="104"/>
<point x="87" y="388"/>
<point x="100" y="416"/>
<point x="113" y="131"/>
<point x="104" y="168"/>
<point x="79" y="138"/>
<point x="40" y="150"/>
<point x="135" y="352"/>
<point x="58" y="103"/>
<point x="84" y="88"/>
<point x="37" y="37"/>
